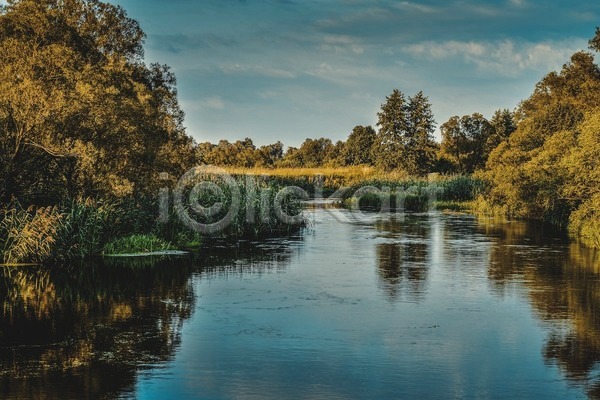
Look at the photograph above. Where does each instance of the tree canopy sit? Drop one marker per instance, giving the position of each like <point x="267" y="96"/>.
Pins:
<point x="80" y="111"/>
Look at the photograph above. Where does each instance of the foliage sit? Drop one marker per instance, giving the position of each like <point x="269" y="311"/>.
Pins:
<point x="83" y="117"/>
<point x="548" y="167"/>
<point x="585" y="221"/>
<point x="465" y="142"/>
<point x="80" y="113"/>
<point x="461" y="188"/>
<point x="595" y="41"/>
<point x="311" y="154"/>
<point x="413" y="195"/>
<point x="357" y="149"/>
<point x="247" y="207"/>
<point x="84" y="228"/>
<point x="503" y="124"/>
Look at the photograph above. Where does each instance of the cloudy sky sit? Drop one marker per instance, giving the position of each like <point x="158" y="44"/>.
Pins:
<point x="291" y="69"/>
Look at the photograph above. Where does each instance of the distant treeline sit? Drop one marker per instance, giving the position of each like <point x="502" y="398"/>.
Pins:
<point x="466" y="144"/>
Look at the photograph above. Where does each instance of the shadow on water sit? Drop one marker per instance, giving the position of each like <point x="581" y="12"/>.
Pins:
<point x="563" y="282"/>
<point x="85" y="331"/>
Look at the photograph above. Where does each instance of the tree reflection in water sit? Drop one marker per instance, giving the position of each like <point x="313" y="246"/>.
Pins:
<point x="85" y="331"/>
<point x="403" y="261"/>
<point x="564" y="290"/>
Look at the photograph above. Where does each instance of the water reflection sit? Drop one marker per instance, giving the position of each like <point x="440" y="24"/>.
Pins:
<point x="86" y="331"/>
<point x="90" y="326"/>
<point x="563" y="281"/>
<point x="402" y="263"/>
<point x="430" y="305"/>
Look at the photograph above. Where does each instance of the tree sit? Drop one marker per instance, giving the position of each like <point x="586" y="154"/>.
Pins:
<point x="546" y="168"/>
<point x="421" y="147"/>
<point x="291" y="159"/>
<point x="405" y="137"/>
<point x="503" y="122"/>
<point x="465" y="141"/>
<point x="389" y="148"/>
<point x="357" y="149"/>
<point x="244" y="153"/>
<point x="269" y="155"/>
<point x="311" y="154"/>
<point x="76" y="95"/>
<point x="595" y="41"/>
<point x="334" y="155"/>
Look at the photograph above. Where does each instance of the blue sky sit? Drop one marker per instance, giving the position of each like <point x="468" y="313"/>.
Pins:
<point x="291" y="69"/>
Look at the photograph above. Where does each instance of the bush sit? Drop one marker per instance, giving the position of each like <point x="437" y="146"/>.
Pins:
<point x="585" y="222"/>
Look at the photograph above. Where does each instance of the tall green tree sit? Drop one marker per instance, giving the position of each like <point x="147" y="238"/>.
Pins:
<point x="595" y="41"/>
<point x="405" y="137"/>
<point x="389" y="148"/>
<point x="421" y="148"/>
<point x="504" y="124"/>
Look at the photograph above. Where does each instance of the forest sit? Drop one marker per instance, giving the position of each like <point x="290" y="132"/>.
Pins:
<point x="89" y="131"/>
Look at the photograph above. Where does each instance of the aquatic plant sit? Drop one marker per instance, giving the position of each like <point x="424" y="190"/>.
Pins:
<point x="136" y="244"/>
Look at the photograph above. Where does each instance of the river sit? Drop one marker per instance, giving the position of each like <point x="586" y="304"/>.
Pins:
<point x="429" y="305"/>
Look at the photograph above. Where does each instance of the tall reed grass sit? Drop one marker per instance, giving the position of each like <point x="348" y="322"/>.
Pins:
<point x="28" y="235"/>
<point x="413" y="194"/>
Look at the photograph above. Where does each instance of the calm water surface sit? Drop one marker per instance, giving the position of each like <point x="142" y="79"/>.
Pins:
<point x="426" y="306"/>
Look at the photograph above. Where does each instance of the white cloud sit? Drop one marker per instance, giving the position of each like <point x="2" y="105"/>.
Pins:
<point x="212" y="103"/>
<point x="410" y="6"/>
<point x="257" y="70"/>
<point x="506" y="57"/>
<point x="445" y="49"/>
<point x="341" y="44"/>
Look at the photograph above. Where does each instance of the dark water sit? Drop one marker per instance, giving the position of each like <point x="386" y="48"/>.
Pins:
<point x="428" y="306"/>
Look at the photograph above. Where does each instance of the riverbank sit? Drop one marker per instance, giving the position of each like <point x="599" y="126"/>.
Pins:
<point x="258" y="205"/>
<point x="84" y="228"/>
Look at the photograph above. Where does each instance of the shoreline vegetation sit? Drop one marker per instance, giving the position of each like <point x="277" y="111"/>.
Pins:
<point x="93" y="145"/>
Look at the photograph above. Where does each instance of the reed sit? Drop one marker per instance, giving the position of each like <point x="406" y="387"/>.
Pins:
<point x="27" y="235"/>
<point x="413" y="194"/>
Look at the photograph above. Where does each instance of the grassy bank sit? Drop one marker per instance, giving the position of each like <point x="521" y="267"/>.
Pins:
<point x="86" y="227"/>
<point x="254" y="207"/>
